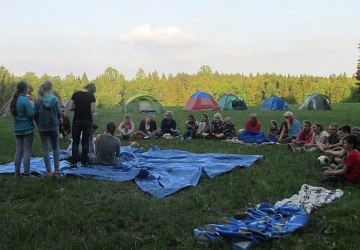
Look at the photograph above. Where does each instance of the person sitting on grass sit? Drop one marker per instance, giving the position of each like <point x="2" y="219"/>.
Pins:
<point x="289" y="129"/>
<point x="253" y="124"/>
<point x="126" y="128"/>
<point x="191" y="126"/>
<point x="319" y="138"/>
<point x="273" y="130"/>
<point x="332" y="139"/>
<point x="168" y="126"/>
<point x="351" y="169"/>
<point x="216" y="128"/>
<point x="64" y="124"/>
<point x="229" y="128"/>
<point x="203" y="127"/>
<point x="107" y="147"/>
<point x="146" y="128"/>
<point x="304" y="137"/>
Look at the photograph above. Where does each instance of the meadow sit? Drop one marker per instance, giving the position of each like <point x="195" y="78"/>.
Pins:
<point x="75" y="213"/>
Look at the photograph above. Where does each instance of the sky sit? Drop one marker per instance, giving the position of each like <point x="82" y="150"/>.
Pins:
<point x="313" y="37"/>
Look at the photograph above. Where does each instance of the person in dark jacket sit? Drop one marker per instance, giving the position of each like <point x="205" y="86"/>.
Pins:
<point x="64" y="124"/>
<point x="147" y="128"/>
<point x="168" y="126"/>
<point x="47" y="115"/>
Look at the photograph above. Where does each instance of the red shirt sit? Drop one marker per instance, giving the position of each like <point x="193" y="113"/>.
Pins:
<point x="252" y="127"/>
<point x="353" y="164"/>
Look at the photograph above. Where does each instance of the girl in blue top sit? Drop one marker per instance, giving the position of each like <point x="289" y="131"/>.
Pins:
<point x="23" y="112"/>
<point x="47" y="115"/>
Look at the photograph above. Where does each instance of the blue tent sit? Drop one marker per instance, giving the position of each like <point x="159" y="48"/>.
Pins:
<point x="274" y="103"/>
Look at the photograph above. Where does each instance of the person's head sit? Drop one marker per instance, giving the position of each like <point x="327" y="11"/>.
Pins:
<point x="288" y="115"/>
<point x="351" y="142"/>
<point x="169" y="115"/>
<point x="344" y="130"/>
<point x="127" y="117"/>
<point x="307" y="125"/>
<point x="149" y="118"/>
<point x="228" y="120"/>
<point x="204" y="118"/>
<point x="44" y="88"/>
<point x="217" y="117"/>
<point x="253" y="117"/>
<point x="191" y="118"/>
<point x="273" y="125"/>
<point x="111" y="127"/>
<point x="90" y="87"/>
<point x="333" y="129"/>
<point x="21" y="89"/>
<point x="317" y="127"/>
<point x="94" y="128"/>
<point x="62" y="110"/>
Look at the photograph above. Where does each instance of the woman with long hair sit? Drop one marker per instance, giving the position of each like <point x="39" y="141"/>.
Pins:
<point x="47" y="115"/>
<point x="23" y="112"/>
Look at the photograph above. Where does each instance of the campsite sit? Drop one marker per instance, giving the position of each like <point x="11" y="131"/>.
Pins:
<point x="72" y="212"/>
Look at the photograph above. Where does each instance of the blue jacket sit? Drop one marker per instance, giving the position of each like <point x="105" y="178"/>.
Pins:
<point x="295" y="128"/>
<point x="47" y="113"/>
<point x="23" y="122"/>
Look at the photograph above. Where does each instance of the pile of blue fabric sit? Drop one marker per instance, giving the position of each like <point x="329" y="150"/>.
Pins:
<point x="254" y="137"/>
<point x="256" y="225"/>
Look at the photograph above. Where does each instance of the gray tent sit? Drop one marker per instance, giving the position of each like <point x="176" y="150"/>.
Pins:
<point x="316" y="101"/>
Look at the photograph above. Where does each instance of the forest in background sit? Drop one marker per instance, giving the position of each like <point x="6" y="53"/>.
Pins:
<point x="174" y="90"/>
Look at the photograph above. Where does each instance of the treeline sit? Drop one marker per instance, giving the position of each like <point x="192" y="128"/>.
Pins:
<point x="174" y="90"/>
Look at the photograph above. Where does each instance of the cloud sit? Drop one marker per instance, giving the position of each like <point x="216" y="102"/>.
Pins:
<point x="169" y="36"/>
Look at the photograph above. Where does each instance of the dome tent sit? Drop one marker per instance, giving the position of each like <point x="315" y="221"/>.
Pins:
<point x="274" y="103"/>
<point x="232" y="102"/>
<point x="316" y="101"/>
<point x="143" y="103"/>
<point x="201" y="101"/>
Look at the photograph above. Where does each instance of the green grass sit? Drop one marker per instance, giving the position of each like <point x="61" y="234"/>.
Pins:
<point x="73" y="213"/>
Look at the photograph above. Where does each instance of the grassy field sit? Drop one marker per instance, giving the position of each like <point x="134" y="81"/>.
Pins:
<point x="72" y="213"/>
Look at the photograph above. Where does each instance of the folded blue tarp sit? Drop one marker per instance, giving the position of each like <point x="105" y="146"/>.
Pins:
<point x="157" y="172"/>
<point x="254" y="137"/>
<point x="256" y="225"/>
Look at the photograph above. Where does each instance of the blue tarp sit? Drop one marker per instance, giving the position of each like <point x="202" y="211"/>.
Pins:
<point x="157" y="172"/>
<point x="254" y="226"/>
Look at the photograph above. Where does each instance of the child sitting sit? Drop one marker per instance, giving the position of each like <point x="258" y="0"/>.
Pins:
<point x="216" y="128"/>
<point x="319" y="137"/>
<point x="229" y="128"/>
<point x="191" y="126"/>
<point x="203" y="127"/>
<point x="126" y="128"/>
<point x="253" y="124"/>
<point x="303" y="138"/>
<point x="273" y="130"/>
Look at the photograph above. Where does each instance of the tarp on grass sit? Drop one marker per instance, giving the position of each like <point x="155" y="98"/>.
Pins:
<point x="157" y="172"/>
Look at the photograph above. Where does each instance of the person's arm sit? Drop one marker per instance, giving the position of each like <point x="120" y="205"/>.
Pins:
<point x="120" y="128"/>
<point x="132" y="126"/>
<point x="71" y="105"/>
<point x="93" y="107"/>
<point x="340" y="153"/>
<point x="336" y="172"/>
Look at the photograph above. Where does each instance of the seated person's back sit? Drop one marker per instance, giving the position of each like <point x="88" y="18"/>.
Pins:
<point x="107" y="146"/>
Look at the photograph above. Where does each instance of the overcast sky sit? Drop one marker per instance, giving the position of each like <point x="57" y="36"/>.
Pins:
<point x="57" y="37"/>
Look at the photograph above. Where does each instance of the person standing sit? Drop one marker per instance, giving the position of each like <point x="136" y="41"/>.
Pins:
<point x="47" y="115"/>
<point x="83" y="103"/>
<point x="23" y="112"/>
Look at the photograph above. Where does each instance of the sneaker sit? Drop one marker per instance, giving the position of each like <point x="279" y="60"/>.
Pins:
<point x="56" y="173"/>
<point x="146" y="137"/>
<point x="49" y="174"/>
<point x="189" y="138"/>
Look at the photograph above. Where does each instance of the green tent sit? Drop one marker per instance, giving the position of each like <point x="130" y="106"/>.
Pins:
<point x="232" y="102"/>
<point x="143" y="103"/>
<point x="316" y="101"/>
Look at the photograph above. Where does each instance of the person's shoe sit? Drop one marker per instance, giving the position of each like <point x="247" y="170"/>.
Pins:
<point x="29" y="176"/>
<point x="146" y="137"/>
<point x="189" y="138"/>
<point x="291" y="147"/>
<point x="49" y="174"/>
<point x="56" y="173"/>
<point x="17" y="175"/>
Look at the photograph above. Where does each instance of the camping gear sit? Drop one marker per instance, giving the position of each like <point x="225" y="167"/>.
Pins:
<point x="316" y="101"/>
<point x="232" y="102"/>
<point x="201" y="101"/>
<point x="274" y="103"/>
<point x="143" y="103"/>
